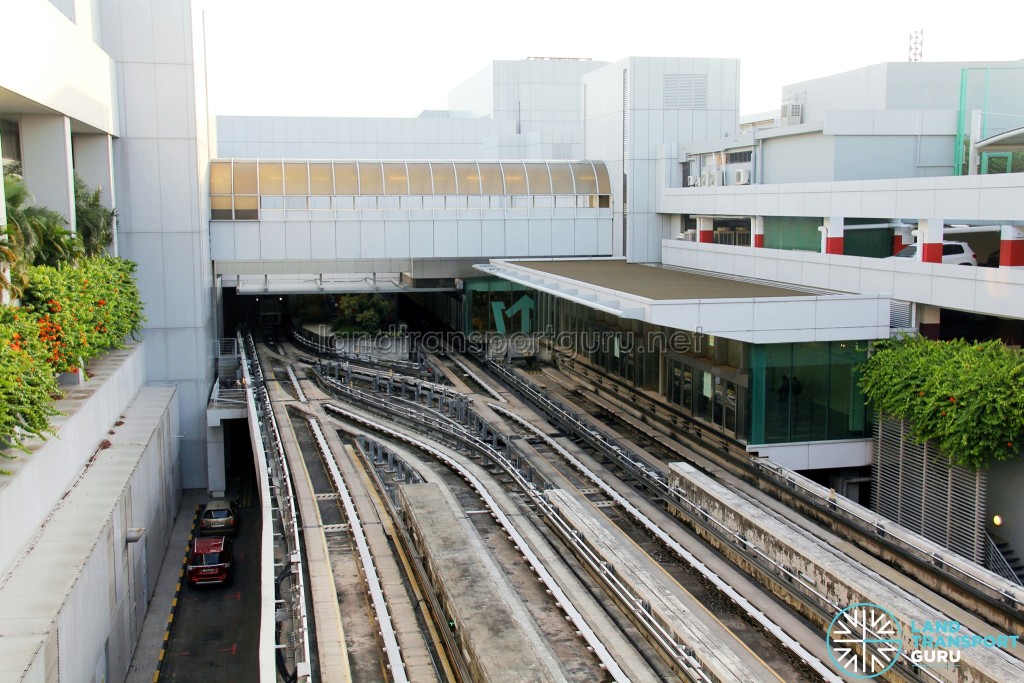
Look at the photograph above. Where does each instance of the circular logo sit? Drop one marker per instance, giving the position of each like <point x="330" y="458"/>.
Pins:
<point x="864" y="640"/>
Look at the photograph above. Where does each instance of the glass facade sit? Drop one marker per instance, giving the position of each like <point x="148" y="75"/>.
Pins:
<point x="755" y="393"/>
<point x="344" y="186"/>
<point x="807" y="392"/>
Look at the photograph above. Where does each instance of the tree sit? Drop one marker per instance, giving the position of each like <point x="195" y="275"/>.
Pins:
<point x="94" y="221"/>
<point x="362" y="313"/>
<point x="35" y="234"/>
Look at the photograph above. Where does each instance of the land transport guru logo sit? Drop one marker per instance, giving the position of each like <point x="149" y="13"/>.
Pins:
<point x="866" y="640"/>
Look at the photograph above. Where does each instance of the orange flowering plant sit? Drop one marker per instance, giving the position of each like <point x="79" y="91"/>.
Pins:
<point x="69" y="314"/>
<point x="84" y="309"/>
<point x="26" y="380"/>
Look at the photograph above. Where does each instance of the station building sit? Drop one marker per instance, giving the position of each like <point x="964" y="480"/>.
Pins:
<point x="619" y="213"/>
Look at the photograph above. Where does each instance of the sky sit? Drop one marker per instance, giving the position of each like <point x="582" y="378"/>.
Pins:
<point x="395" y="59"/>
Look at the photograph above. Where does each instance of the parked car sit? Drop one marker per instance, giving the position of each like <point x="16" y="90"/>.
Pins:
<point x="219" y="517"/>
<point x="210" y="561"/>
<point x="959" y="253"/>
<point x="993" y="259"/>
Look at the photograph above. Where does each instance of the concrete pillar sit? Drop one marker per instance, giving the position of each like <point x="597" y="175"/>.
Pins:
<point x="928" y="320"/>
<point x="929" y="236"/>
<point x="705" y="229"/>
<point x="832" y="235"/>
<point x="46" y="162"/>
<point x="1011" y="246"/>
<point x="216" y="479"/>
<point x="757" y="231"/>
<point x="901" y="237"/>
<point x="973" y="157"/>
<point x="94" y="164"/>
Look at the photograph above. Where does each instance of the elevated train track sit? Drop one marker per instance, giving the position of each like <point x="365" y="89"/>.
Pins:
<point x="429" y="406"/>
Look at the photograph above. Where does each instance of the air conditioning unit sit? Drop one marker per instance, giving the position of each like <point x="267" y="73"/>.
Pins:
<point x="741" y="176"/>
<point x="791" y="114"/>
<point x="692" y="180"/>
<point x="716" y="178"/>
<point x="705" y="178"/>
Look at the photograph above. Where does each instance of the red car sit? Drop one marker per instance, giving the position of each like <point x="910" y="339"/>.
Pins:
<point x="210" y="561"/>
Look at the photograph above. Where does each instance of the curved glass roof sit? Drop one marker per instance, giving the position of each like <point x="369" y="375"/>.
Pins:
<point x="384" y="177"/>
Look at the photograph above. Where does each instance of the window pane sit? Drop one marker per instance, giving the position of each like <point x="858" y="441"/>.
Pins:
<point x="246" y="208"/>
<point x="469" y="178"/>
<point x="515" y="177"/>
<point x="271" y="178"/>
<point x="419" y="179"/>
<point x="220" y="208"/>
<point x="537" y="175"/>
<point x="444" y="178"/>
<point x="245" y="177"/>
<point x="586" y="181"/>
<point x="395" y="179"/>
<point x="320" y="179"/>
<point x="603" y="186"/>
<point x="295" y="202"/>
<point x="371" y="180"/>
<point x="346" y="179"/>
<point x="296" y="178"/>
<point x="272" y="202"/>
<point x="220" y="177"/>
<point x="561" y="178"/>
<point x="490" y="178"/>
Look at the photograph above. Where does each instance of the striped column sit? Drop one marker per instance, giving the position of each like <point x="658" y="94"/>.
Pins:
<point x="757" y="231"/>
<point x="1011" y="246"/>
<point x="832" y="235"/>
<point x="930" y="238"/>
<point x="705" y="229"/>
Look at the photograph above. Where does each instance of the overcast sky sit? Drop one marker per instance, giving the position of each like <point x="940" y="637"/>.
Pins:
<point x="344" y="58"/>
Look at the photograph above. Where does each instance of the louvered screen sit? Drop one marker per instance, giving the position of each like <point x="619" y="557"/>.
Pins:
<point x="915" y="486"/>
<point x="900" y="315"/>
<point x="685" y="91"/>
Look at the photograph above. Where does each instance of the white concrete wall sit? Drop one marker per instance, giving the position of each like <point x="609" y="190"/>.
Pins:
<point x="477" y="233"/>
<point x="653" y="118"/>
<point x="475" y="95"/>
<point x="283" y="137"/>
<point x="991" y="291"/>
<point x="951" y="198"/>
<point x="82" y="582"/>
<point x="161" y="162"/>
<point x="52" y="65"/>
<point x="40" y="479"/>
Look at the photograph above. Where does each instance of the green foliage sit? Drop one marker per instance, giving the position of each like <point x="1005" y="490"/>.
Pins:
<point x="35" y="235"/>
<point x="26" y="380"/>
<point x="69" y="314"/>
<point x="363" y="313"/>
<point x="84" y="309"/>
<point x="93" y="221"/>
<point x="965" y="397"/>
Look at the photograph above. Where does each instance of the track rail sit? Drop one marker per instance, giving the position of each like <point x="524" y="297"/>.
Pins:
<point x="644" y="521"/>
<point x="561" y="599"/>
<point x="380" y="607"/>
<point x="974" y="588"/>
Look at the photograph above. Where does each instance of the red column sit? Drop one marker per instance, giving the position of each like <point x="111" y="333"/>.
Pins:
<point x="931" y="252"/>
<point x="1011" y="247"/>
<point x="834" y="245"/>
<point x="759" y="240"/>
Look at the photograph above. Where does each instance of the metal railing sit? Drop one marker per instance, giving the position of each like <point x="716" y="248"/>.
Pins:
<point x="996" y="561"/>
